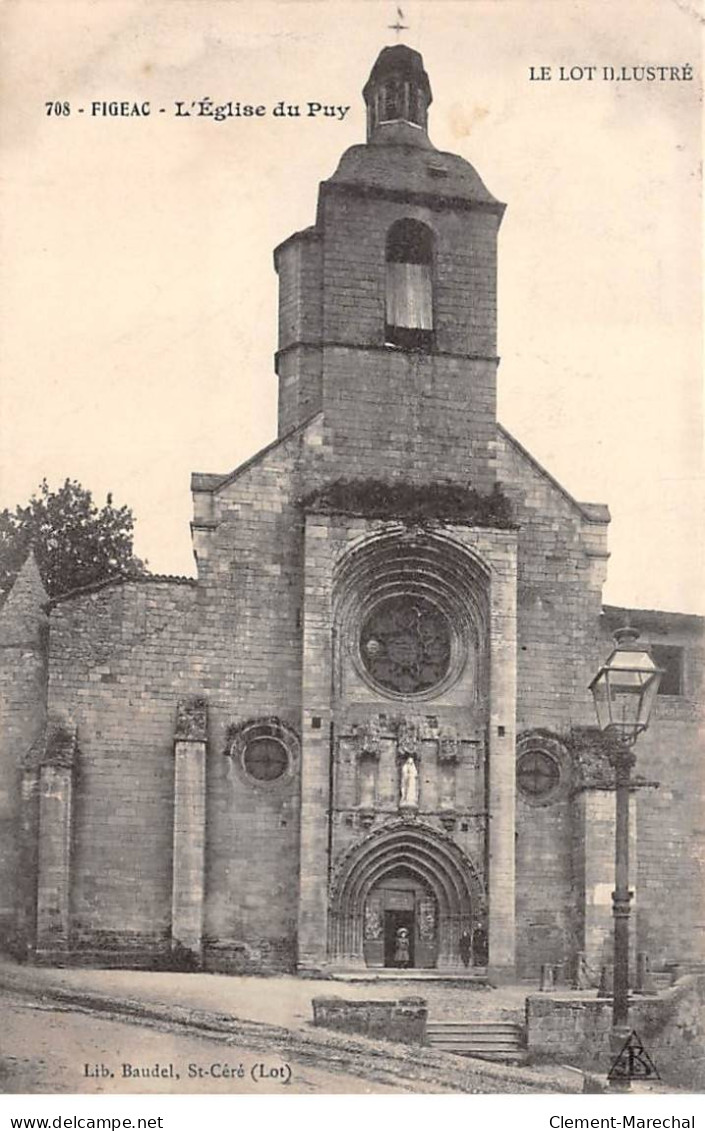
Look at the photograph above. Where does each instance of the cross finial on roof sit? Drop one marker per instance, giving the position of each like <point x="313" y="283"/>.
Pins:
<point x="399" y="27"/>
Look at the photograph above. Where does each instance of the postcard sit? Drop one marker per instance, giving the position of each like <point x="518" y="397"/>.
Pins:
<point x="351" y="611"/>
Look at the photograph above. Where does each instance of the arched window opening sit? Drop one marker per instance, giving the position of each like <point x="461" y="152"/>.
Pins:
<point x="394" y="101"/>
<point x="402" y="101"/>
<point x="409" y="299"/>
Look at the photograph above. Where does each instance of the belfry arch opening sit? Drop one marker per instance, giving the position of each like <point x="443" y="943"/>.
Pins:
<point x="398" y="90"/>
<point x="409" y="285"/>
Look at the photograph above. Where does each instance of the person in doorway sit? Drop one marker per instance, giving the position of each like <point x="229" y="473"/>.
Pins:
<point x="401" y="948"/>
<point x="466" y="946"/>
<point x="479" y="945"/>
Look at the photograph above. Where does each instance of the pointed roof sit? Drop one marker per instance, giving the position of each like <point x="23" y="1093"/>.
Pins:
<point x="28" y="583"/>
<point x="398" y="61"/>
<point x="24" y="610"/>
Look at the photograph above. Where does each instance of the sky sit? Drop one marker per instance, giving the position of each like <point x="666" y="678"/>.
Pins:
<point x="138" y="299"/>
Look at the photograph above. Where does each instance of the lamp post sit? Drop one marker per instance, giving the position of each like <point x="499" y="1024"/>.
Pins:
<point x="623" y="691"/>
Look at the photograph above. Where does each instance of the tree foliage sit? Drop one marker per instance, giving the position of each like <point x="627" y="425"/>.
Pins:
<point x="75" y="543"/>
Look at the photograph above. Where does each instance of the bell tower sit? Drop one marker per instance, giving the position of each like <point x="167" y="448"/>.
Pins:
<point x="387" y="304"/>
<point x="388" y="337"/>
<point x="397" y="90"/>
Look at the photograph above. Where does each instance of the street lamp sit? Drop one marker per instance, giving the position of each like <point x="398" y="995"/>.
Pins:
<point x="625" y="687"/>
<point x="624" y="691"/>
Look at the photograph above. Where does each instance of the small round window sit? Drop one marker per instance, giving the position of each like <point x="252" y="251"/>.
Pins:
<point x="537" y="774"/>
<point x="265" y="759"/>
<point x="265" y="751"/>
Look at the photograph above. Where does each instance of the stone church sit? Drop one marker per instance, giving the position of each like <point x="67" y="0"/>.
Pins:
<point x="362" y="736"/>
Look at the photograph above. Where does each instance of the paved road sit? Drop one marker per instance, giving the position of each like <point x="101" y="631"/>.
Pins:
<point x="48" y="1048"/>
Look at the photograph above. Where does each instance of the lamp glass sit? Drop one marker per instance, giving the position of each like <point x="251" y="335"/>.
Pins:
<point x="624" y="690"/>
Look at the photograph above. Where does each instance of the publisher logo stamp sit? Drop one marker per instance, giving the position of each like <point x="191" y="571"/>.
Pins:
<point x="633" y="1062"/>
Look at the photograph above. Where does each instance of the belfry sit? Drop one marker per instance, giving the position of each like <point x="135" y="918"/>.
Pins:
<point x="361" y="738"/>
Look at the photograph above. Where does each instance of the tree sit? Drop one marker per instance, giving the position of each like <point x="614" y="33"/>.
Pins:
<point x="74" y="542"/>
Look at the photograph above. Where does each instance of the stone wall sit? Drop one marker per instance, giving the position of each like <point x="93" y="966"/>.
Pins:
<point x="573" y="1030"/>
<point x="674" y="1028"/>
<point x="546" y="929"/>
<point x="119" y="661"/>
<point x="577" y="1031"/>
<point x="403" y="1020"/>
<point x="410" y="413"/>
<point x="250" y="596"/>
<point x="355" y="222"/>
<point x="122" y="656"/>
<point x="593" y="832"/>
<point x="298" y="262"/>
<point x="561" y="567"/>
<point x="122" y="659"/>
<point x="23" y="712"/>
<point x="670" y="883"/>
<point x="563" y="638"/>
<point x="413" y="416"/>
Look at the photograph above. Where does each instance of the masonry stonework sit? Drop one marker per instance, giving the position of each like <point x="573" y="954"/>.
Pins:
<point x="361" y="737"/>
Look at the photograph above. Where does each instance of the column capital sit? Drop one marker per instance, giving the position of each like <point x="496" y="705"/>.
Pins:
<point x="61" y="746"/>
<point x="596" y="755"/>
<point x="191" y="720"/>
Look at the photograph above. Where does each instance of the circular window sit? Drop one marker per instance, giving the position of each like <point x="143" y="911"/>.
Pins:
<point x="537" y="774"/>
<point x="265" y="751"/>
<point x="265" y="759"/>
<point x="405" y="644"/>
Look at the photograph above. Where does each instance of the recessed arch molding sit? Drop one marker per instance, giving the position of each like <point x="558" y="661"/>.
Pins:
<point x="421" y="852"/>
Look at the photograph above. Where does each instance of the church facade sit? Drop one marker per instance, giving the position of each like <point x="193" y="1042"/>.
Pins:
<point x="362" y="736"/>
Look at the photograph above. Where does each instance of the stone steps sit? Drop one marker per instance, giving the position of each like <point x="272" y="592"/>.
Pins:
<point x="388" y="974"/>
<point x="489" y="1040"/>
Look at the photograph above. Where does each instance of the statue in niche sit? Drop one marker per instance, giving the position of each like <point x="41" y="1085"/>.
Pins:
<point x="409" y="798"/>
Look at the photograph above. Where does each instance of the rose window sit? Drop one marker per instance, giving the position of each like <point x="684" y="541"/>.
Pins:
<point x="405" y="644"/>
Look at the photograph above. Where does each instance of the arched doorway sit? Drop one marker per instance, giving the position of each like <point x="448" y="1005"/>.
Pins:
<point x="405" y="877"/>
<point x="400" y="927"/>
